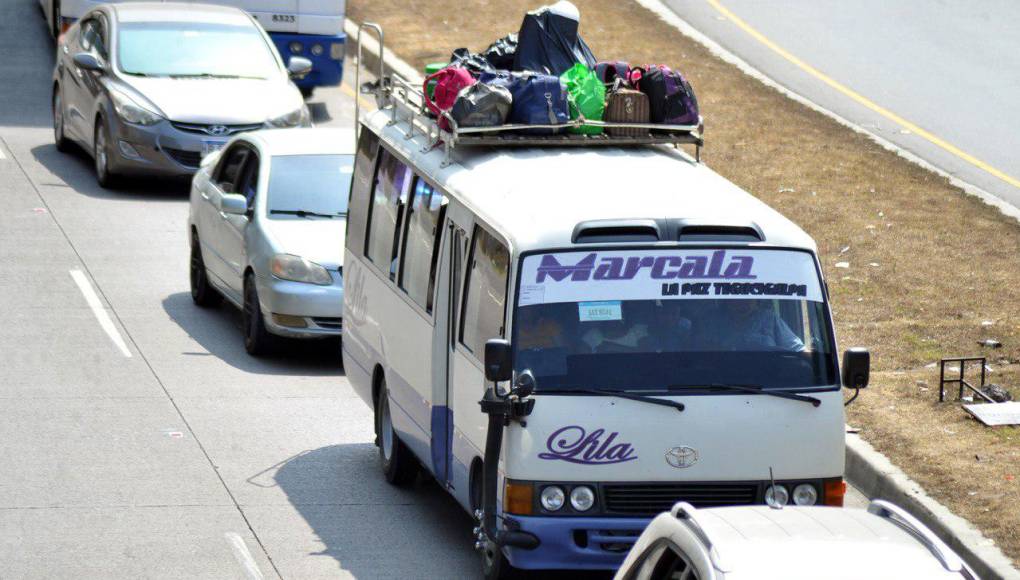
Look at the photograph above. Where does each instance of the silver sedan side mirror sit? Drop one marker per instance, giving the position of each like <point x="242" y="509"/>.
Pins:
<point x="233" y="203"/>
<point x="298" y="67"/>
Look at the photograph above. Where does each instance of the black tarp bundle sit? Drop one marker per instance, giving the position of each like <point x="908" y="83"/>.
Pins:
<point x="548" y="41"/>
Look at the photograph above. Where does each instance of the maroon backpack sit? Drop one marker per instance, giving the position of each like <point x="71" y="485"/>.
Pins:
<point x="608" y="71"/>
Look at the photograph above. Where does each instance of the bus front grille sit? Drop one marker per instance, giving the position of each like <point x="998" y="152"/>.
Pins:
<point x="653" y="498"/>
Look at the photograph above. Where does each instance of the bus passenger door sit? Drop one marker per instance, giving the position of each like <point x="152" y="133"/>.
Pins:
<point x="444" y="341"/>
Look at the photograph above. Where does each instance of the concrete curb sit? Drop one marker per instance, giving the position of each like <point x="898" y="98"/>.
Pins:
<point x="866" y="469"/>
<point x="391" y="62"/>
<point x="876" y="477"/>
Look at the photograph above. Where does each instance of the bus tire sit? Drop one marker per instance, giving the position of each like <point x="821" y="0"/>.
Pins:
<point x="398" y="465"/>
<point x="495" y="566"/>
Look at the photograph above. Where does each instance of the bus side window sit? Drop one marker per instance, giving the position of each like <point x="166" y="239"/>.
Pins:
<point x="361" y="190"/>
<point x="485" y="292"/>
<point x="418" y="258"/>
<point x="392" y="180"/>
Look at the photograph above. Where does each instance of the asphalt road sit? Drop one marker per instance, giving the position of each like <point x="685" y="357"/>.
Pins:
<point x="951" y="69"/>
<point x="175" y="454"/>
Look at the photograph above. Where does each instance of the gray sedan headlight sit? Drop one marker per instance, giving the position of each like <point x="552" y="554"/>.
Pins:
<point x="296" y="118"/>
<point x="298" y="269"/>
<point x="131" y="112"/>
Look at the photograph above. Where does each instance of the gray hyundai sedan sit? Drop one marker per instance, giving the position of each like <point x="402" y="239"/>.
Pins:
<point x="150" y="88"/>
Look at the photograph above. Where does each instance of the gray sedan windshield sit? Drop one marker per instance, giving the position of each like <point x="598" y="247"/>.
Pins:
<point x="193" y="49"/>
<point x="303" y="186"/>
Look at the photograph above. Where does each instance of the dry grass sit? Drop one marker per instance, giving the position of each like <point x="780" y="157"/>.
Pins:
<point x="928" y="263"/>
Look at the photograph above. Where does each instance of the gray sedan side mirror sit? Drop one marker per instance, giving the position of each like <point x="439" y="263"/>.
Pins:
<point x="298" y="67"/>
<point x="234" y="203"/>
<point x="88" y="61"/>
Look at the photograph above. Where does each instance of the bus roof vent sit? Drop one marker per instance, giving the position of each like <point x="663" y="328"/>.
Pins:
<point x="616" y="231"/>
<point x="691" y="231"/>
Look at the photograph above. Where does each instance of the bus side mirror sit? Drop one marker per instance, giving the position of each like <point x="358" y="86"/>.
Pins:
<point x="856" y="368"/>
<point x="498" y="365"/>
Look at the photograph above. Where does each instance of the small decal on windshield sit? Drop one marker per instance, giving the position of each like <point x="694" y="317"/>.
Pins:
<point x="531" y="294"/>
<point x="599" y="311"/>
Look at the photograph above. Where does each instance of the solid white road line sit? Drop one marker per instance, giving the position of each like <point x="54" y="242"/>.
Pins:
<point x="2" y="154"/>
<point x="243" y="556"/>
<point x="97" y="308"/>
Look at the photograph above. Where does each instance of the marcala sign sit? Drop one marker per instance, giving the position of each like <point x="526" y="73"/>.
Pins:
<point x="574" y="444"/>
<point x="698" y="267"/>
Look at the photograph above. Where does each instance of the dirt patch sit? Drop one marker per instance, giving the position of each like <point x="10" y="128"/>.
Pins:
<point x="928" y="264"/>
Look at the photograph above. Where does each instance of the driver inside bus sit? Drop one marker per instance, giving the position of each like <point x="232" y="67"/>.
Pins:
<point x="755" y="325"/>
<point x="629" y="333"/>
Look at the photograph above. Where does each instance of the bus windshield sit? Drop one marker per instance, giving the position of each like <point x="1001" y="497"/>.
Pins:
<point x="663" y="320"/>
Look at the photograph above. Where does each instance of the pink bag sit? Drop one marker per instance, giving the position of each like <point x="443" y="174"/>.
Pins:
<point x="449" y="82"/>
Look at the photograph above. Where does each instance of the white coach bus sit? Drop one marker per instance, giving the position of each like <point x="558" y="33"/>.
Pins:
<point x="655" y="335"/>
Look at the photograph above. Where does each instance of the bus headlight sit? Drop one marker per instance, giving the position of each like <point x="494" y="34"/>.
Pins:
<point x="317" y="49"/>
<point x="582" y="498"/>
<point x="805" y="494"/>
<point x="777" y="496"/>
<point x="295" y="47"/>
<point x="552" y="498"/>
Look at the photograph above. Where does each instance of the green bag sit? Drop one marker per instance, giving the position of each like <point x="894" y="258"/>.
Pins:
<point x="586" y="95"/>
<point x="430" y="68"/>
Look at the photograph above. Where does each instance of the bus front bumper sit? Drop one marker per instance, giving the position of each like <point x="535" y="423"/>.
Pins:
<point x="582" y="543"/>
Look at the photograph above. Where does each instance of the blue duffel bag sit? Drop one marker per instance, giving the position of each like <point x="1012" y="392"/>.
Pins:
<point x="538" y="99"/>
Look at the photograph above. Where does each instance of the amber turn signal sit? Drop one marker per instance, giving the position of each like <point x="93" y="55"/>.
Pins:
<point x="834" y="490"/>
<point x="518" y="498"/>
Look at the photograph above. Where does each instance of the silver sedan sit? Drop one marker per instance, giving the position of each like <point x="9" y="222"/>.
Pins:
<point x="267" y="226"/>
<point x="151" y="88"/>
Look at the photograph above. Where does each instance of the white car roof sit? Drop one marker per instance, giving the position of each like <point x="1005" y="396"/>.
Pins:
<point x="302" y="141"/>
<point x="180" y="12"/>
<point x="796" y="543"/>
<point x="537" y="196"/>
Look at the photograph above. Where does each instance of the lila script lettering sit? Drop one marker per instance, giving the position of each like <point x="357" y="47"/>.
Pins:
<point x="575" y="445"/>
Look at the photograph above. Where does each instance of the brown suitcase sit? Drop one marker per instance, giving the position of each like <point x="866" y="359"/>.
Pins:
<point x="626" y="106"/>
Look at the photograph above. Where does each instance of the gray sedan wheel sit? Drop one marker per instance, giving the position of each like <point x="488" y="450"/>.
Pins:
<point x="58" y="122"/>
<point x="257" y="340"/>
<point x="101" y="154"/>
<point x="202" y="292"/>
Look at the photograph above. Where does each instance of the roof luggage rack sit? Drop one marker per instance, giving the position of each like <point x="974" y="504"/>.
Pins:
<point x="406" y="104"/>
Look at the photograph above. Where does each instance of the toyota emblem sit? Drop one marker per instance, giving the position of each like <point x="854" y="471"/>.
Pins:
<point x="680" y="457"/>
<point x="216" y="129"/>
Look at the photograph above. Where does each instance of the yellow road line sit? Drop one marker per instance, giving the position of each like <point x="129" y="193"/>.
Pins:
<point x="862" y="99"/>
<point x="350" y="92"/>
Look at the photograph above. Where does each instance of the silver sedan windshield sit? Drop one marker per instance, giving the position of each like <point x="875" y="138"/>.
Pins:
<point x="194" y="49"/>
<point x="303" y="186"/>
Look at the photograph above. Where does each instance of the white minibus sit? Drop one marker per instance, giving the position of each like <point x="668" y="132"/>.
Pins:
<point x="570" y="339"/>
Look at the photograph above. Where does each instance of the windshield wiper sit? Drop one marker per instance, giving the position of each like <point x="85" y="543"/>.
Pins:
<point x="212" y="76"/>
<point x="756" y="389"/>
<point x="303" y="213"/>
<point x="620" y="394"/>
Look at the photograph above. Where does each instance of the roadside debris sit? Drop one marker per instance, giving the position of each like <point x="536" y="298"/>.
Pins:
<point x="842" y="264"/>
<point x="990" y="342"/>
<point x="997" y="408"/>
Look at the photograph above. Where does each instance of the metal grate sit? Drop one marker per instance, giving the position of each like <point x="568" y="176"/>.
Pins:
<point x="330" y="323"/>
<point x="187" y="158"/>
<point x="650" y="499"/>
<point x="219" y="131"/>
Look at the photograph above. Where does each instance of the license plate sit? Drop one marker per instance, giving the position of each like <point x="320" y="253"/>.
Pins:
<point x="211" y="147"/>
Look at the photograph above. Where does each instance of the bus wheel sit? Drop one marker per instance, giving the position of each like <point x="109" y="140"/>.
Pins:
<point x="495" y="566"/>
<point x="399" y="466"/>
